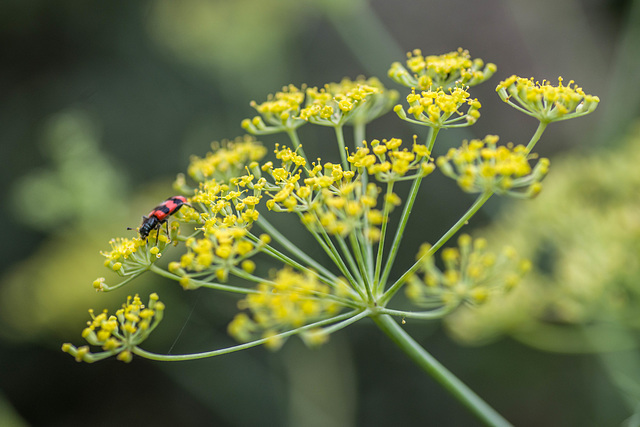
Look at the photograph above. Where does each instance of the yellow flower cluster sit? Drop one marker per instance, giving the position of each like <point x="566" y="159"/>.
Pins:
<point x="119" y="333"/>
<point x="223" y="205"/>
<point x="126" y="256"/>
<point x="379" y="102"/>
<point x="358" y="101"/>
<point x="441" y="71"/>
<point x="226" y="160"/>
<point x="389" y="162"/>
<point x="347" y="208"/>
<point x="336" y="103"/>
<point x="481" y="166"/>
<point x="278" y="113"/>
<point x="291" y="300"/>
<point x="544" y="101"/>
<point x="329" y="199"/>
<point x="472" y="274"/>
<point x="440" y="109"/>
<point x="217" y="253"/>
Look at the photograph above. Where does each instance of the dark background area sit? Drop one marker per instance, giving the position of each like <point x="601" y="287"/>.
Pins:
<point x="142" y="86"/>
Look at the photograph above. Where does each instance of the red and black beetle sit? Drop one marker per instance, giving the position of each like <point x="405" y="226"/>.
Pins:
<point x="160" y="214"/>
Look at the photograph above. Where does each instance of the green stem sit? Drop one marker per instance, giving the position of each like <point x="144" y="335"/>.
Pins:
<point x="330" y="249"/>
<point x="359" y="133"/>
<point x="204" y="284"/>
<point x="203" y="355"/>
<point x="438" y="372"/>
<point x="362" y="265"/>
<point x="292" y="248"/>
<point x="349" y="257"/>
<point x="431" y="138"/>
<point x="341" y="147"/>
<point x="481" y="200"/>
<point x="107" y="288"/>
<point x="536" y="136"/>
<point x="413" y="194"/>
<point x="424" y="315"/>
<point x="383" y="232"/>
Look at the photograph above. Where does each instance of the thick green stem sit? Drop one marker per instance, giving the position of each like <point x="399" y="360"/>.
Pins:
<point x="438" y="372"/>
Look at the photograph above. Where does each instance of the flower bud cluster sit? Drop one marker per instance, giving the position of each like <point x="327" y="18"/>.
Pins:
<point x="291" y="300"/>
<point x="546" y="102"/>
<point x="119" y="334"/>
<point x="440" y="109"/>
<point x="358" y="101"/>
<point x="481" y="166"/>
<point x="217" y="254"/>
<point x="388" y="161"/>
<point x="472" y="274"/>
<point x="441" y="71"/>
<point x="226" y="160"/>
<point x="280" y="112"/>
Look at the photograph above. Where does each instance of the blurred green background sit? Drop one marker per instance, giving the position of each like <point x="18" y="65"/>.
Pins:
<point x="103" y="103"/>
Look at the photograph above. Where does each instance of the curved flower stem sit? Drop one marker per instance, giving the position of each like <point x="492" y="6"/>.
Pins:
<point x="481" y="200"/>
<point x="203" y="355"/>
<point x="438" y="372"/>
<point x="341" y="147"/>
<point x="536" y="136"/>
<point x="107" y="288"/>
<point x="343" y="324"/>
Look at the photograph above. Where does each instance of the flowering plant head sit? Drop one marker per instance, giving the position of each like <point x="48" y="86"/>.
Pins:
<point x="544" y="101"/>
<point x="343" y="202"/>
<point x="119" y="334"/>
<point x="441" y="71"/>
<point x="472" y="274"/>
<point x="358" y="101"/>
<point x="440" y="109"/>
<point x="480" y="165"/>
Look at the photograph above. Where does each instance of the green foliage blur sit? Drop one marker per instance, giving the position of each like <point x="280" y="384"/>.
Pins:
<point x="104" y="102"/>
